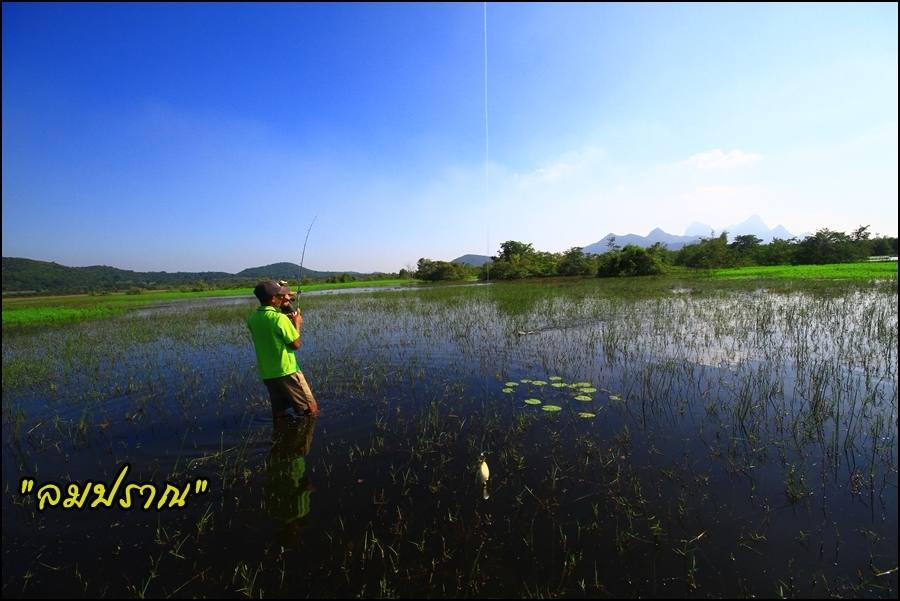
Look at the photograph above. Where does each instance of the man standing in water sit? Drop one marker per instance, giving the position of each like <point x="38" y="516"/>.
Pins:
<point x="276" y="336"/>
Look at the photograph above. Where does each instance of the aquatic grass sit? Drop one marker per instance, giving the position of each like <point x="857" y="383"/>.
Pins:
<point x="731" y="393"/>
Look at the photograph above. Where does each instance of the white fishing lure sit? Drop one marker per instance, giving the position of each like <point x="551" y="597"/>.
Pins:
<point x="484" y="474"/>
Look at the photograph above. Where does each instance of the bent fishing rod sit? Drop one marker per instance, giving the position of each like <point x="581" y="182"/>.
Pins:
<point x="303" y="254"/>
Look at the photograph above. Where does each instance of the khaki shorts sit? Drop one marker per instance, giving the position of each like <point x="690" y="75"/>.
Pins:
<point x="288" y="392"/>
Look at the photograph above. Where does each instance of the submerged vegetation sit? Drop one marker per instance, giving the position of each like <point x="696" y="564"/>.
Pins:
<point x="36" y="311"/>
<point x="705" y="436"/>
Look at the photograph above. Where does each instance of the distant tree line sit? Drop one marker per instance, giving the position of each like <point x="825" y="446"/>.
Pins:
<point x="27" y="276"/>
<point x="433" y="271"/>
<point x="517" y="260"/>
<point x="514" y="260"/>
<point x="825" y="246"/>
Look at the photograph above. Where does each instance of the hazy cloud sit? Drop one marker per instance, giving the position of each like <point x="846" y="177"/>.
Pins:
<point x="718" y="159"/>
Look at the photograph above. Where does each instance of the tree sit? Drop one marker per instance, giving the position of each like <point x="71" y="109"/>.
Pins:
<point x="630" y="261"/>
<point x="662" y="253"/>
<point x="826" y="246"/>
<point x="519" y="260"/>
<point x="777" y="252"/>
<point x="745" y="243"/>
<point x="860" y="233"/>
<point x="440" y="270"/>
<point x="744" y="248"/>
<point x="574" y="262"/>
<point x="882" y="246"/>
<point x="709" y="253"/>
<point x="513" y="251"/>
<point x="611" y="243"/>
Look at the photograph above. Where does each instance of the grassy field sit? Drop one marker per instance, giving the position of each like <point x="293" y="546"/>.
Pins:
<point x="75" y="307"/>
<point x="835" y="271"/>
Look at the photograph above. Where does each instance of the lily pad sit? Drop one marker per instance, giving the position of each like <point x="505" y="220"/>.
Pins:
<point x="588" y="389"/>
<point x="538" y="383"/>
<point x="526" y="380"/>
<point x="558" y="385"/>
<point x="583" y="397"/>
<point x="508" y="390"/>
<point x="587" y="414"/>
<point x="532" y="401"/>
<point x="615" y="397"/>
<point x="554" y="378"/>
<point x="551" y="408"/>
<point x="511" y="384"/>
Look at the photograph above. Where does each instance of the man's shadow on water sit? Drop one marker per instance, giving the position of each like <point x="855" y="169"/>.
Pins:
<point x="288" y="487"/>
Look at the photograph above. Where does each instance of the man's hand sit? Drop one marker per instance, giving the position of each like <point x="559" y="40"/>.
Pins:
<point x="298" y="321"/>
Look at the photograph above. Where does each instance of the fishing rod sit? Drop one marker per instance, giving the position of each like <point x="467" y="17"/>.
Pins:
<point x="303" y="254"/>
<point x="289" y="308"/>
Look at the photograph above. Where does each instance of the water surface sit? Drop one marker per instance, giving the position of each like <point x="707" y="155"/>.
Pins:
<point x="743" y="443"/>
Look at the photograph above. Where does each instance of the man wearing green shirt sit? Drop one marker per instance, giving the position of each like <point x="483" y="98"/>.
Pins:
<point x="275" y="338"/>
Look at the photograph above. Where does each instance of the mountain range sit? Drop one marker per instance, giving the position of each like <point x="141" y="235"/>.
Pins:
<point x="671" y="241"/>
<point x="28" y="275"/>
<point x="754" y="225"/>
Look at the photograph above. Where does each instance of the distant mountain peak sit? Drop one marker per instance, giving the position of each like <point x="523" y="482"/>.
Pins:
<point x="657" y="235"/>
<point x="753" y="225"/>
<point x="754" y="221"/>
<point x="474" y="260"/>
<point x="698" y="229"/>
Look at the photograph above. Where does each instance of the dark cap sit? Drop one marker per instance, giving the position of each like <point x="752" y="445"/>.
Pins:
<point x="264" y="291"/>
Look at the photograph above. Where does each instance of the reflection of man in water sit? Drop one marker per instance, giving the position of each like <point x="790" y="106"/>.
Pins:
<point x="288" y="488"/>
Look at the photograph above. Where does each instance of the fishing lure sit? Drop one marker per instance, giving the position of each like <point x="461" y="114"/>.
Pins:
<point x="484" y="474"/>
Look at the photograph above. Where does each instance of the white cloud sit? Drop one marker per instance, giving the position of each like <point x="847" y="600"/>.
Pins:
<point x="718" y="159"/>
<point x="570" y="164"/>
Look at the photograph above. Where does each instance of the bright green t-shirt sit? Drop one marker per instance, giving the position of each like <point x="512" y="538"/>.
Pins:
<point x="272" y="332"/>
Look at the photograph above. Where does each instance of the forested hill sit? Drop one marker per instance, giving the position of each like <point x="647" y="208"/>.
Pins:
<point x="30" y="276"/>
<point x="289" y="271"/>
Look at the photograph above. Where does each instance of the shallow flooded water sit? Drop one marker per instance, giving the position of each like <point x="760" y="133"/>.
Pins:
<point x="680" y="443"/>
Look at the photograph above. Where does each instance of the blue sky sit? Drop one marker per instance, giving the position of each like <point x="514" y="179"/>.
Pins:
<point x="207" y="137"/>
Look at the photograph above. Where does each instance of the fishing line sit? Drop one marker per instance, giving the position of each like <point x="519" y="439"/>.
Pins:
<point x="487" y="140"/>
<point x="486" y="148"/>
